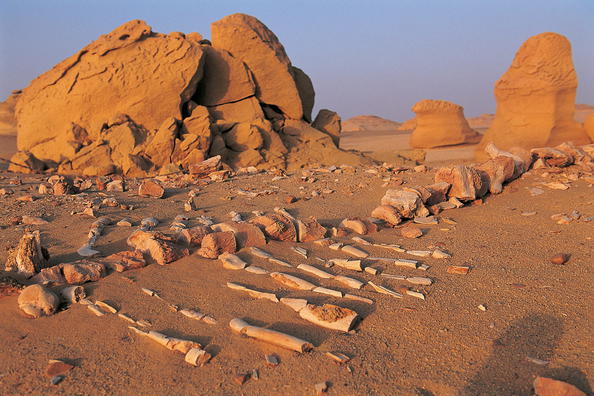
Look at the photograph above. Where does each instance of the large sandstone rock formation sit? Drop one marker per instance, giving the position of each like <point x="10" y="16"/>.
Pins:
<point x="536" y="97"/>
<point x="134" y="101"/>
<point x="440" y="123"/>
<point x="589" y="126"/>
<point x="329" y="122"/>
<point x="7" y="118"/>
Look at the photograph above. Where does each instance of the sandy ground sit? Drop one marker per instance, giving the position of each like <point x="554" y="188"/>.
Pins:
<point x="445" y="345"/>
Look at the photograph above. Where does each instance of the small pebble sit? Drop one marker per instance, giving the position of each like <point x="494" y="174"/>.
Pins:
<point x="560" y="259"/>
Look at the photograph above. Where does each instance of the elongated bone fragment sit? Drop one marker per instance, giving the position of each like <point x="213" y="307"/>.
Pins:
<point x="270" y="336"/>
<point x="138" y="331"/>
<point x="399" y="262"/>
<point x="260" y="253"/>
<point x="440" y="254"/>
<point x="384" y="290"/>
<point x="183" y="346"/>
<point x="393" y="247"/>
<point x="419" y="253"/>
<point x="257" y="270"/>
<point x="361" y="241"/>
<point x="338" y="357"/>
<point x="354" y="297"/>
<point x="292" y="282"/>
<point x="371" y="270"/>
<point x="350" y="282"/>
<point x="231" y="261"/>
<point x="95" y="309"/>
<point x="330" y="316"/>
<point x="300" y="251"/>
<point x="315" y="271"/>
<point x="73" y="294"/>
<point x="415" y="294"/>
<point x="353" y="251"/>
<point x="254" y="293"/>
<point x="198" y="316"/>
<point x="236" y="217"/>
<point x="284" y="212"/>
<point x="330" y="292"/>
<point x="296" y="304"/>
<point x="415" y="280"/>
<point x="280" y="262"/>
<point x="150" y="292"/>
<point x="336" y="246"/>
<point x="127" y="318"/>
<point x="197" y="357"/>
<point x="350" y="264"/>
<point x="105" y="306"/>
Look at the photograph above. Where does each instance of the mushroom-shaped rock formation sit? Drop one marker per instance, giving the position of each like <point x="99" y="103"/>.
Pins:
<point x="440" y="123"/>
<point x="536" y="98"/>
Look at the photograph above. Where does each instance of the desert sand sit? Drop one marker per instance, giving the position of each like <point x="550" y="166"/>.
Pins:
<point x="476" y="288"/>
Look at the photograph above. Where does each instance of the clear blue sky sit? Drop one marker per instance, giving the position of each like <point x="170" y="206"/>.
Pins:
<point x="364" y="57"/>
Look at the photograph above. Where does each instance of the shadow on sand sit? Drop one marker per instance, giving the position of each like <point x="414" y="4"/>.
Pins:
<point x="508" y="370"/>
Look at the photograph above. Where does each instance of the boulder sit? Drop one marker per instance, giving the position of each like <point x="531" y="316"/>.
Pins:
<point x="411" y="231"/>
<point x="151" y="188"/>
<point x="328" y="122"/>
<point x="550" y="387"/>
<point x="277" y="227"/>
<point x="495" y="172"/>
<point x="438" y="192"/>
<point x="405" y="202"/>
<point x="52" y="275"/>
<point x="125" y="260"/>
<point x="192" y="237"/>
<point x="159" y="247"/>
<point x="217" y="243"/>
<point x="466" y="182"/>
<point x="440" y="123"/>
<point x="29" y="256"/>
<point x="110" y="76"/>
<point x="243" y="136"/>
<point x="250" y="41"/>
<point x="552" y="156"/>
<point x="83" y="271"/>
<point x="310" y="230"/>
<point x="159" y="148"/>
<point x="204" y="168"/>
<point x="536" y="98"/>
<point x="388" y="214"/>
<point x="36" y="301"/>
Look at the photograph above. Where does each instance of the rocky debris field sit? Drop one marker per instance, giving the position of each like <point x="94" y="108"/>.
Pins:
<point x="275" y="282"/>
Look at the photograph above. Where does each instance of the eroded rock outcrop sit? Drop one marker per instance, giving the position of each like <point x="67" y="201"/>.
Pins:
<point x="135" y="101"/>
<point x="7" y="118"/>
<point x="536" y="97"/>
<point x="440" y="123"/>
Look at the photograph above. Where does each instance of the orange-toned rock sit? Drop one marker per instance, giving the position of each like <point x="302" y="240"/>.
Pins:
<point x="151" y="188"/>
<point x="83" y="271"/>
<point x="244" y="136"/>
<point x="410" y="231"/>
<point x="29" y="256"/>
<point x="329" y="122"/>
<point x="109" y="76"/>
<point x="217" y="243"/>
<point x="310" y="230"/>
<point x="406" y="203"/>
<point x="52" y="275"/>
<point x="438" y="192"/>
<point x="226" y="79"/>
<point x="550" y="387"/>
<point x="552" y="156"/>
<point x="536" y="97"/>
<point x="440" y="123"/>
<point x="36" y="301"/>
<point x="589" y="126"/>
<point x="248" y="235"/>
<point x="125" y="260"/>
<point x="466" y="182"/>
<point x="192" y="237"/>
<point x="306" y="91"/>
<point x="7" y="119"/>
<point x="388" y="214"/>
<point x="159" y="247"/>
<point x="276" y="227"/>
<point x="495" y="172"/>
<point x="250" y="41"/>
<point x="204" y="168"/>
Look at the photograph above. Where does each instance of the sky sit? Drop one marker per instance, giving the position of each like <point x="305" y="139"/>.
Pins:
<point x="364" y="57"/>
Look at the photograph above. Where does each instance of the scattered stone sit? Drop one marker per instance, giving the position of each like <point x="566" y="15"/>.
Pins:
<point x="272" y="360"/>
<point x="217" y="243"/>
<point x="560" y="258"/>
<point x="32" y="220"/>
<point x="466" y="183"/>
<point x="151" y="188"/>
<point x="50" y="276"/>
<point x="9" y="286"/>
<point x="125" y="260"/>
<point x="310" y="230"/>
<point x="160" y="247"/>
<point x="57" y="367"/>
<point x="321" y="388"/>
<point x="354" y="225"/>
<point x="115" y="186"/>
<point x="29" y="257"/>
<point x="550" y="387"/>
<point x="405" y="202"/>
<point x="83" y="271"/>
<point x="410" y="231"/>
<point x="277" y="227"/>
<point x="458" y="269"/>
<point x="36" y="301"/>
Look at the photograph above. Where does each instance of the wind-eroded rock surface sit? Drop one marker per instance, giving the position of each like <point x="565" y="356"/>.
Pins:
<point x="134" y="101"/>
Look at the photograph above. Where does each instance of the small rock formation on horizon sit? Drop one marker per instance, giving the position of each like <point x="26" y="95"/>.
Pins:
<point x="408" y="125"/>
<point x="589" y="126"/>
<point x="134" y="101"/>
<point x="7" y="119"/>
<point x="363" y="123"/>
<point x="536" y="97"/>
<point x="440" y="123"/>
